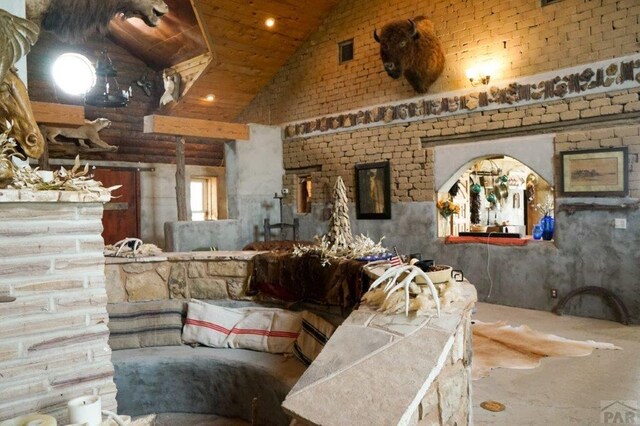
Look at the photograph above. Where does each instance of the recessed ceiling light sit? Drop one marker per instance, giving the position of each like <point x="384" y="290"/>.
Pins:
<point x="211" y="98"/>
<point x="270" y="22"/>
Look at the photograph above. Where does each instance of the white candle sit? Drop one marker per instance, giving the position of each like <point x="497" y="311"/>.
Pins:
<point x="86" y="409"/>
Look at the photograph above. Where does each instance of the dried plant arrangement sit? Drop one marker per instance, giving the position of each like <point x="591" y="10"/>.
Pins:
<point x="24" y="177"/>
<point x="339" y="243"/>
<point x="76" y="179"/>
<point x="8" y="149"/>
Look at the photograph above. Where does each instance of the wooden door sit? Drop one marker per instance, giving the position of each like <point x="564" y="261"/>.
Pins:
<point x="121" y="217"/>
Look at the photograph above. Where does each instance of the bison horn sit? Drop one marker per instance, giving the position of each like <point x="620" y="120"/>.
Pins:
<point x="414" y="29"/>
<point x="375" y="36"/>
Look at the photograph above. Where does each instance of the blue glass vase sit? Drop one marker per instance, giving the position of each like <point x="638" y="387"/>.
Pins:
<point x="548" y="225"/>
<point x="537" y="232"/>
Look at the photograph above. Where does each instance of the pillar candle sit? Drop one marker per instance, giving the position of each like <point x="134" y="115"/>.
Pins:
<point x="86" y="409"/>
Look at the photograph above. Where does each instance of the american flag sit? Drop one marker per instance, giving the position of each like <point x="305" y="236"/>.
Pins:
<point x="395" y="260"/>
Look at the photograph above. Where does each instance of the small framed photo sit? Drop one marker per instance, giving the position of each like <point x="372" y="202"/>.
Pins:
<point x="595" y="172"/>
<point x="373" y="191"/>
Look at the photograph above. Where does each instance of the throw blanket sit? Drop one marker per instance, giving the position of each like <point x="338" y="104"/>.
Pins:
<point x="294" y="279"/>
<point x="499" y="345"/>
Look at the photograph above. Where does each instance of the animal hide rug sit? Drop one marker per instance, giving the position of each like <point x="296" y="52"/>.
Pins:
<point x="499" y="345"/>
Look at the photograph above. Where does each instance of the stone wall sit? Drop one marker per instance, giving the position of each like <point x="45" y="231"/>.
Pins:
<point x="404" y="370"/>
<point x="53" y="337"/>
<point x="520" y="36"/>
<point x="198" y="275"/>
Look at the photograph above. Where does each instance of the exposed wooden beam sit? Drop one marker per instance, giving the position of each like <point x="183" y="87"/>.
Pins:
<point x="58" y="114"/>
<point x="178" y="126"/>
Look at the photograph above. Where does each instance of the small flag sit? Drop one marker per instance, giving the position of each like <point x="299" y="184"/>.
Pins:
<point x="395" y="260"/>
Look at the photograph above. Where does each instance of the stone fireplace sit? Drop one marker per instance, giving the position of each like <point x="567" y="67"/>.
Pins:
<point x="53" y="337"/>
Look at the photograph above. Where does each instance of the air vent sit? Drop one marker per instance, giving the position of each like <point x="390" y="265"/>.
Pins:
<point x="547" y="2"/>
<point x="345" y="49"/>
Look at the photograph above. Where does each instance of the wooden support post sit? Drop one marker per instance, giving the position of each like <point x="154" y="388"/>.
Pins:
<point x="43" y="161"/>
<point x="181" y="180"/>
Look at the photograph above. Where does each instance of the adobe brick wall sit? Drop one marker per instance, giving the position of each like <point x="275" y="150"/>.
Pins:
<point x="412" y="164"/>
<point x="523" y="37"/>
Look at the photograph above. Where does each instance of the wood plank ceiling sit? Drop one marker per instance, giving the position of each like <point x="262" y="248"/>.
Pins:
<point x="246" y="53"/>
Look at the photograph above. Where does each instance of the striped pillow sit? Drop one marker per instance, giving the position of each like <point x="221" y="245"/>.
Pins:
<point x="266" y="330"/>
<point x="259" y="329"/>
<point x="144" y="324"/>
<point x="315" y="333"/>
<point x="209" y="325"/>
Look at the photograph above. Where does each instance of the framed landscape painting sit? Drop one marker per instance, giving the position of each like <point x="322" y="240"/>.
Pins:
<point x="373" y="191"/>
<point x="595" y="173"/>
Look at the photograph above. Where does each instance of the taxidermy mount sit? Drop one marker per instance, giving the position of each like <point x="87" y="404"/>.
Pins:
<point x="411" y="48"/>
<point x="171" y="87"/>
<point x="87" y="132"/>
<point x="75" y="20"/>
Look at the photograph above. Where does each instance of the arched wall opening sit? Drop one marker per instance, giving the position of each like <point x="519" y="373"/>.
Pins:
<point x="503" y="186"/>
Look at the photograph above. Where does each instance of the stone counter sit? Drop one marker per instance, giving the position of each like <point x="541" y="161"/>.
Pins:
<point x="198" y="275"/>
<point x="382" y="369"/>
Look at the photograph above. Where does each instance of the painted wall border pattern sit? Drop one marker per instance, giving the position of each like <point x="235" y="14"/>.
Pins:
<point x="598" y="77"/>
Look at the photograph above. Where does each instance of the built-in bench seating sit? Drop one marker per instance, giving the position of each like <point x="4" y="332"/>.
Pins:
<point x="182" y="379"/>
<point x="202" y="380"/>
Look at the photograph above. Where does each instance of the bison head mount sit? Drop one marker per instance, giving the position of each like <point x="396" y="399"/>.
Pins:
<point x="411" y="48"/>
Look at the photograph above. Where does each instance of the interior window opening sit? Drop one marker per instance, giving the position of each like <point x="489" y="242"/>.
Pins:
<point x="304" y="194"/>
<point x="203" y="192"/>
<point x="498" y="195"/>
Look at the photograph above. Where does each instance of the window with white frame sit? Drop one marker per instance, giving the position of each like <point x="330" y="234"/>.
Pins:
<point x="204" y="197"/>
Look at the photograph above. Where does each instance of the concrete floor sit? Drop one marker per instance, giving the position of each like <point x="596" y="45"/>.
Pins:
<point x="562" y="391"/>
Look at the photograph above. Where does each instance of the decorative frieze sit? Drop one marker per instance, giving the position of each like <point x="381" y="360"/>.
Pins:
<point x="622" y="73"/>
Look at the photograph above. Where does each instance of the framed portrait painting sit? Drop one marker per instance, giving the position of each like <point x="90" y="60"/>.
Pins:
<point x="373" y="191"/>
<point x="595" y="172"/>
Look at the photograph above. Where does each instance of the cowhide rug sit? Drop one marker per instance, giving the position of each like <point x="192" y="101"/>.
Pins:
<point x="499" y="345"/>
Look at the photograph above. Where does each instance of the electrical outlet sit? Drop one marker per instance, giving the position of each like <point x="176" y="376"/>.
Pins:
<point x="554" y="293"/>
<point x="285" y="191"/>
<point x="620" y="223"/>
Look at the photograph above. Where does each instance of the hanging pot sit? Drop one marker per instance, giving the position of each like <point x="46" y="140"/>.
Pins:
<point x="498" y="192"/>
<point x="503" y="190"/>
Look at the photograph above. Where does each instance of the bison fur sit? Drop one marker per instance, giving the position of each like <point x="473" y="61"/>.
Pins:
<point x="75" y="20"/>
<point x="411" y="48"/>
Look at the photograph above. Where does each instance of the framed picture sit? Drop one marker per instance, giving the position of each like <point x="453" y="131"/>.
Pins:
<point x="373" y="191"/>
<point x="596" y="172"/>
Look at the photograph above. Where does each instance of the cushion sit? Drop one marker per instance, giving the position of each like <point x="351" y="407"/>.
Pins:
<point x="145" y="324"/>
<point x="315" y="333"/>
<point x="209" y="325"/>
<point x="266" y="330"/>
<point x="259" y="329"/>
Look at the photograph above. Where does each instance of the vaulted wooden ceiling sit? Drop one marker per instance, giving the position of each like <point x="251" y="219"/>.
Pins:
<point x="233" y="53"/>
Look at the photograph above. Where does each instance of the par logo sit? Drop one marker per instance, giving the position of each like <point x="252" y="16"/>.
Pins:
<point x="620" y="412"/>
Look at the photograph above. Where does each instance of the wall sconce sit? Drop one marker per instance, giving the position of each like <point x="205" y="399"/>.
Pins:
<point x="477" y="78"/>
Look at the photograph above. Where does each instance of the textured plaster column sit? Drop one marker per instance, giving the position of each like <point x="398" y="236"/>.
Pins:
<point x="254" y="175"/>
